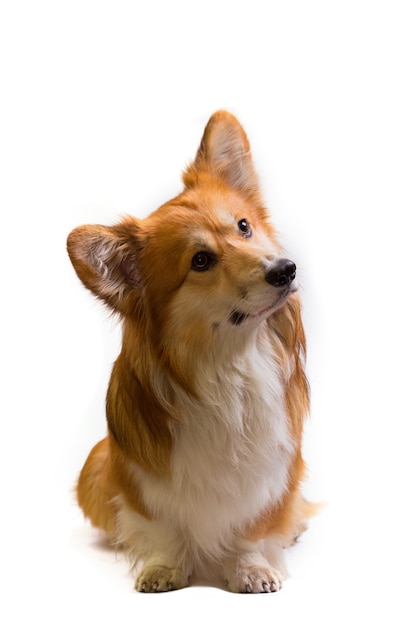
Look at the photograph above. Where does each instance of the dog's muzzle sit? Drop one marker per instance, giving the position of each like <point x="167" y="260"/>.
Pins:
<point x="280" y="275"/>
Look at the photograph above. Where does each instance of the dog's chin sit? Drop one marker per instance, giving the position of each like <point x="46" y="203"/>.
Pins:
<point x="237" y="318"/>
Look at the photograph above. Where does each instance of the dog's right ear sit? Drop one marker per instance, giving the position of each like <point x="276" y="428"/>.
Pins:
<point x="106" y="260"/>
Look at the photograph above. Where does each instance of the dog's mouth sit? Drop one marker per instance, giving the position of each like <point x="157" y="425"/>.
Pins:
<point x="238" y="317"/>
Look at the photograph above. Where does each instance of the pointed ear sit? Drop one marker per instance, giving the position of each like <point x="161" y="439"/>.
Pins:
<point x="106" y="260"/>
<point x="225" y="153"/>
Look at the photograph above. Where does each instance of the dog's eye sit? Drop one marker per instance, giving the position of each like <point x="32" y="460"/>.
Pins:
<point x="202" y="261"/>
<point x="244" y="228"/>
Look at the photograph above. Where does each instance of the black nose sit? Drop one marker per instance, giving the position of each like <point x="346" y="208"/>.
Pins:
<point x="281" y="274"/>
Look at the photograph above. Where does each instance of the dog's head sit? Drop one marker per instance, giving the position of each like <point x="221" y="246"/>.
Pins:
<point x="205" y="264"/>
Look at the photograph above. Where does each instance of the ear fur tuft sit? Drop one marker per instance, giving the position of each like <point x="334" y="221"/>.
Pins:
<point x="106" y="260"/>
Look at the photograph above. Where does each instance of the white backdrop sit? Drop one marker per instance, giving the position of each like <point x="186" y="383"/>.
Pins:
<point x="102" y="105"/>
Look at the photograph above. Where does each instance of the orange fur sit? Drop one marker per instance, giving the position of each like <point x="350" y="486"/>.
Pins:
<point x="170" y="348"/>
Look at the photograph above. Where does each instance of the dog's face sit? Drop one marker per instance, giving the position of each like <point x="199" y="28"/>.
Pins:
<point x="206" y="262"/>
<point x="212" y="260"/>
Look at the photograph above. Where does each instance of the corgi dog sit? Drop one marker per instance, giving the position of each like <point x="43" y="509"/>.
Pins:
<point x="201" y="468"/>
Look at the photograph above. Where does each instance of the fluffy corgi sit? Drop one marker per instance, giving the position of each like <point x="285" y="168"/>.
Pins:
<point x="201" y="468"/>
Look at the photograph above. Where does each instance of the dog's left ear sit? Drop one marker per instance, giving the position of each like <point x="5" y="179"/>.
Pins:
<point x="224" y="153"/>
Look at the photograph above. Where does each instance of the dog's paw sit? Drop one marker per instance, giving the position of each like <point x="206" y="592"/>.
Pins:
<point x="155" y="579"/>
<point x="256" y="579"/>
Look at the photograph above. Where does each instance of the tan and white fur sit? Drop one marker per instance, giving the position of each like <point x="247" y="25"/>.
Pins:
<point x="201" y="468"/>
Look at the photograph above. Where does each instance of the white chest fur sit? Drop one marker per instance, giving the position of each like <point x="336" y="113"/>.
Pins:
<point x="231" y="454"/>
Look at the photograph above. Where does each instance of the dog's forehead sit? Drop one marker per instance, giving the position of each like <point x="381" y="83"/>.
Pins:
<point x="225" y="216"/>
<point x="206" y="228"/>
<point x="194" y="224"/>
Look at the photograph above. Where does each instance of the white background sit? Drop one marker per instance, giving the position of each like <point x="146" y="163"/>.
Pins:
<point x="102" y="105"/>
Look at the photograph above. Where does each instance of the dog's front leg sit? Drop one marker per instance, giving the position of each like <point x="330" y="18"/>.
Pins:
<point x="164" y="569"/>
<point x="248" y="570"/>
<point x="161" y="550"/>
